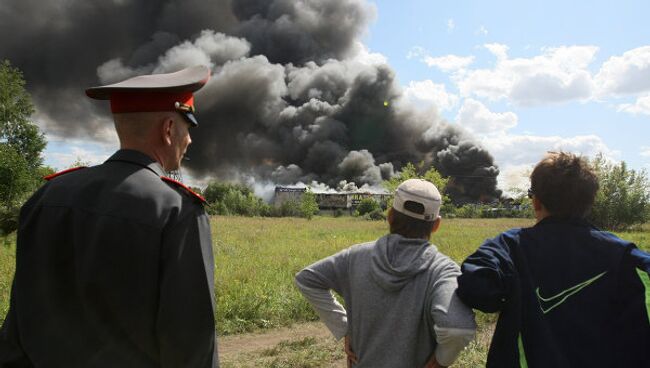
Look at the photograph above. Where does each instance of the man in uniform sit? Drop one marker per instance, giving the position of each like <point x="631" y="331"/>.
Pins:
<point x="569" y="295"/>
<point x="401" y="310"/>
<point x="114" y="263"/>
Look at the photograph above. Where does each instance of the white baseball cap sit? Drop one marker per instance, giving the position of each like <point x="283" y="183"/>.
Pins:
<point x="418" y="191"/>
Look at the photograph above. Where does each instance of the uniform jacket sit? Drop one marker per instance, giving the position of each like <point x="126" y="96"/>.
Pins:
<point x="569" y="295"/>
<point x="114" y="268"/>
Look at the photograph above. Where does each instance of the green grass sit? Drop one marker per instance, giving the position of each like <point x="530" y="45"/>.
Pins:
<point x="256" y="259"/>
<point x="307" y="352"/>
<point x="7" y="269"/>
<point x="639" y="236"/>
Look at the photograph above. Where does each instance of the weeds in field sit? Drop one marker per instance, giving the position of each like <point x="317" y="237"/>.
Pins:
<point x="256" y="259"/>
<point x="308" y="352"/>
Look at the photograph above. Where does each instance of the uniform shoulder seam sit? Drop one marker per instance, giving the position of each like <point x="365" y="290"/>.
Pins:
<point x="67" y="171"/>
<point x="189" y="191"/>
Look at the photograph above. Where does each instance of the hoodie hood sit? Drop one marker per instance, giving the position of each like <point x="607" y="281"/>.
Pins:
<point x="396" y="260"/>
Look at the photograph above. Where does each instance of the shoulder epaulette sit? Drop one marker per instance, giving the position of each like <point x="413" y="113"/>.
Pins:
<point x="52" y="176"/>
<point x="185" y="187"/>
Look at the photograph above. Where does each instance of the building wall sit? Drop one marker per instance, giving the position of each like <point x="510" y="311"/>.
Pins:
<point x="329" y="201"/>
<point x="283" y="195"/>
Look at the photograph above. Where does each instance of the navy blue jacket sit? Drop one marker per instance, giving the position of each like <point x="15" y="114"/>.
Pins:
<point x="569" y="295"/>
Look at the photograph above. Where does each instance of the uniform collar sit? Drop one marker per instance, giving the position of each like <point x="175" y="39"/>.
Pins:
<point x="138" y="158"/>
<point x="577" y="221"/>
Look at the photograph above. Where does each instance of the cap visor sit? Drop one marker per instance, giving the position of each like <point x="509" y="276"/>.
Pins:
<point x="190" y="118"/>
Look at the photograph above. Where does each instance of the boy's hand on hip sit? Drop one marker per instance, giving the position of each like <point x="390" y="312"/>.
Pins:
<point x="433" y="363"/>
<point x="352" y="357"/>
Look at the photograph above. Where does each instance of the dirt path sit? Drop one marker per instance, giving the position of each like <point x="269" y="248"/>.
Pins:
<point x="311" y="345"/>
<point x="248" y="343"/>
<point x="254" y="349"/>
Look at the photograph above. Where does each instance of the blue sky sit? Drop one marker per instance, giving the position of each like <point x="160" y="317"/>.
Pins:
<point x="522" y="77"/>
<point x="527" y="77"/>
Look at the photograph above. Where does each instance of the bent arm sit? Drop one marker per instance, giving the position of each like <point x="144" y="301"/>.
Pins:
<point x="487" y="276"/>
<point x="453" y="322"/>
<point x="330" y="311"/>
<point x="316" y="283"/>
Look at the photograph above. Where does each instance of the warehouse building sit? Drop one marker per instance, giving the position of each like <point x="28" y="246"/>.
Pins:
<point x="330" y="201"/>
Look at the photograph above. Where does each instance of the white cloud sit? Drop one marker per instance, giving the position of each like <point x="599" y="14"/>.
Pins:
<point x="426" y="94"/>
<point x="642" y="106"/>
<point x="526" y="149"/>
<point x="364" y="56"/>
<point x="517" y="154"/>
<point x="557" y="75"/>
<point x="416" y="52"/>
<point x="450" y="25"/>
<point x="645" y="151"/>
<point x="626" y="74"/>
<point x="62" y="153"/>
<point x="482" y="31"/>
<point x="499" y="50"/>
<point x="449" y="63"/>
<point x="476" y="117"/>
<point x="98" y="128"/>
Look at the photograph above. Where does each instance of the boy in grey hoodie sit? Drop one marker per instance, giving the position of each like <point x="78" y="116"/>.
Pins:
<point x="401" y="309"/>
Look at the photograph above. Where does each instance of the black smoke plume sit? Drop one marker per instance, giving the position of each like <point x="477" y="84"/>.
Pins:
<point x="295" y="97"/>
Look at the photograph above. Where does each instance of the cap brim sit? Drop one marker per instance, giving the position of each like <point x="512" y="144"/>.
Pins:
<point x="190" y="118"/>
<point x="186" y="80"/>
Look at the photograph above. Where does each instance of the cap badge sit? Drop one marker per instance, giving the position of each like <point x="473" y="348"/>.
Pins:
<point x="184" y="107"/>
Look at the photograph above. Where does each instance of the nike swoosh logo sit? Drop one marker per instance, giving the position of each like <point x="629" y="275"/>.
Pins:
<point x="550" y="303"/>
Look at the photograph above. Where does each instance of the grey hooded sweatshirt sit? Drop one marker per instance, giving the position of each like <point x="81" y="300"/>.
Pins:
<point x="400" y="302"/>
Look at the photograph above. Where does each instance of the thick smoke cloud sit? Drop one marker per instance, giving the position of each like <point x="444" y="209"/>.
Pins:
<point x="290" y="31"/>
<point x="292" y="98"/>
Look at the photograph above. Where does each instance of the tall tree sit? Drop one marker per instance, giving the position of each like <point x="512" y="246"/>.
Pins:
<point x="16" y="108"/>
<point x="21" y="145"/>
<point x="623" y="199"/>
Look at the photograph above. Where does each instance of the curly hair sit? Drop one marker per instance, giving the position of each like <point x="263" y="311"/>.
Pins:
<point x="565" y="184"/>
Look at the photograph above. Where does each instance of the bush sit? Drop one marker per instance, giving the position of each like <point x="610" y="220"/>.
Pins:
<point x="488" y="211"/>
<point x="623" y="199"/>
<point x="308" y="204"/>
<point x="17" y="182"/>
<point x="367" y="205"/>
<point x="469" y="211"/>
<point x="8" y="219"/>
<point x="290" y="208"/>
<point x="233" y="199"/>
<point x="410" y="171"/>
<point x="375" y="215"/>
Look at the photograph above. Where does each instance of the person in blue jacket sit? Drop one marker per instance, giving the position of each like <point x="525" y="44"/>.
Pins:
<point x="568" y="294"/>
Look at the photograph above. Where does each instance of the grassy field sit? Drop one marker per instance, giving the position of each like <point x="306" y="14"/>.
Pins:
<point x="256" y="259"/>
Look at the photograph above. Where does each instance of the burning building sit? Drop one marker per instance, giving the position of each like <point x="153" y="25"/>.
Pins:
<point x="330" y="201"/>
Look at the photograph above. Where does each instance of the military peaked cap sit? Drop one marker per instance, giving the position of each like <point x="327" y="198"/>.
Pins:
<point x="155" y="92"/>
